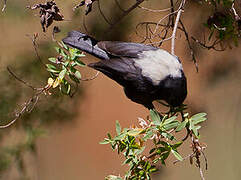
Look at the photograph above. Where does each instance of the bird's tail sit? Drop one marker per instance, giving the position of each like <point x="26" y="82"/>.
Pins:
<point x="85" y="43"/>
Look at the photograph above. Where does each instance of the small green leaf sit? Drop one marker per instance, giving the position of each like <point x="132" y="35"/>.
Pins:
<point x="148" y="135"/>
<point x="64" y="46"/>
<point x="52" y="68"/>
<point x="175" y="146"/>
<point x="80" y="63"/>
<point x="171" y="125"/>
<point x="52" y="59"/>
<point x="56" y="82"/>
<point x="198" y="118"/>
<point x="165" y="155"/>
<point x="73" y="78"/>
<point x="109" y="136"/>
<point x="181" y="126"/>
<point x="127" y="161"/>
<point x="62" y="74"/>
<point x="58" y="50"/>
<point x="153" y="170"/>
<point x="199" y="115"/>
<point x="152" y="150"/>
<point x="155" y="117"/>
<point x="135" y="132"/>
<point x="65" y="87"/>
<point x="195" y="132"/>
<point x="118" y="127"/>
<point x="112" y="177"/>
<point x="177" y="155"/>
<point x="105" y="141"/>
<point x="169" y="120"/>
<point x="77" y="74"/>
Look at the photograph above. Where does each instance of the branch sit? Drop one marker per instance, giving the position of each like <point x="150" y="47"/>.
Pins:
<point x="125" y="13"/>
<point x="20" y="80"/>
<point x="180" y="10"/>
<point x="33" y="39"/>
<point x="28" y="105"/>
<point x="190" y="46"/>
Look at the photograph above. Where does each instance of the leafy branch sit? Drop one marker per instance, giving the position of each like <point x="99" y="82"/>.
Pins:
<point x="161" y="131"/>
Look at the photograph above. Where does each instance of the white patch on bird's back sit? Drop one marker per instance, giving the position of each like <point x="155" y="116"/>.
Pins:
<point x="158" y="64"/>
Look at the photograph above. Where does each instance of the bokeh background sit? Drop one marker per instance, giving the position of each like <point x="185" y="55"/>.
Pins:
<point x="74" y="126"/>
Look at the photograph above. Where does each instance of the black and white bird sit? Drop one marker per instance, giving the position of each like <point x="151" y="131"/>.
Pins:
<point x="147" y="73"/>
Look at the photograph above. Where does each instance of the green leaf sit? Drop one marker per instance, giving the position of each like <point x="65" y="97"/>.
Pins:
<point x="127" y="161"/>
<point x="169" y="120"/>
<point x="135" y="132"/>
<point x="168" y="135"/>
<point x="118" y="127"/>
<point x="52" y="59"/>
<point x="153" y="170"/>
<point x="165" y="155"/>
<point x="105" y="141"/>
<point x="77" y="74"/>
<point x="195" y="132"/>
<point x="58" y="50"/>
<point x="177" y="155"/>
<point x="175" y="146"/>
<point x="181" y="126"/>
<point x="155" y="117"/>
<point x="65" y="87"/>
<point x="56" y="82"/>
<point x="62" y="74"/>
<point x="148" y="135"/>
<point x="109" y="136"/>
<point x="198" y="118"/>
<point x="112" y="177"/>
<point x="52" y="68"/>
<point x="73" y="78"/>
<point x="80" y="63"/>
<point x="199" y="115"/>
<point x="171" y="125"/>
<point x="152" y="150"/>
<point x="64" y="46"/>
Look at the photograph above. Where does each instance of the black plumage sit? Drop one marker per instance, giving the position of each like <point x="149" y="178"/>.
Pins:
<point x="147" y="73"/>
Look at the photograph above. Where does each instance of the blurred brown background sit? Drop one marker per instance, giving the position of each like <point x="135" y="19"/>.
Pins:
<point x="71" y="149"/>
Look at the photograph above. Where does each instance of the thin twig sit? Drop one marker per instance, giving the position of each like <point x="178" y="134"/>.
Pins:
<point x="172" y="10"/>
<point x="159" y="22"/>
<point x="91" y="78"/>
<point x="28" y="105"/>
<point x="212" y="46"/>
<point x="119" y="6"/>
<point x="154" y="10"/>
<point x="33" y="39"/>
<point x="20" y="80"/>
<point x="125" y="13"/>
<point x="180" y="10"/>
<point x="190" y="46"/>
<point x="102" y="14"/>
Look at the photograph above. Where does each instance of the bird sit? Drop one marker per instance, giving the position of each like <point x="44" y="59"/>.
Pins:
<point x="147" y="73"/>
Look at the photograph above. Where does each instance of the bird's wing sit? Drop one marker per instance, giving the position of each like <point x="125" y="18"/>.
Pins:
<point x="122" y="70"/>
<point x="124" y="49"/>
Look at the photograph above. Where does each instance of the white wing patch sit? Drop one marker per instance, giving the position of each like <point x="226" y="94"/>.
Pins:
<point x="158" y="64"/>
